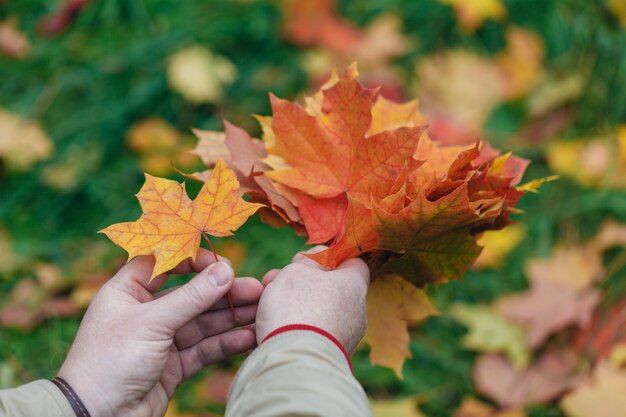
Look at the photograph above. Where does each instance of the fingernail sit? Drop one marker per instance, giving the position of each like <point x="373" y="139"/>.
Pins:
<point x="221" y="273"/>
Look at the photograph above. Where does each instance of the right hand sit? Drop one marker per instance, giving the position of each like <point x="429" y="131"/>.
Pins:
<point x="304" y="292"/>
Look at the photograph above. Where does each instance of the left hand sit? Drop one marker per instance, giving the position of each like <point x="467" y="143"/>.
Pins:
<point x="133" y="348"/>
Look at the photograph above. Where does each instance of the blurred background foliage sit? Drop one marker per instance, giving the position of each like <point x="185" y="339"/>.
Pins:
<point x="94" y="93"/>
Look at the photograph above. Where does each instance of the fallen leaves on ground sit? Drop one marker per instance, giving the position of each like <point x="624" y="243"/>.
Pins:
<point x="460" y="89"/>
<point x="232" y="250"/>
<point x="22" y="142"/>
<point x="601" y="395"/>
<point x="471" y="14"/>
<point x="546" y="379"/>
<point x="554" y="91"/>
<point x="71" y="168"/>
<point x="563" y="302"/>
<point x="87" y="287"/>
<point x="471" y="407"/>
<point x="562" y="291"/>
<point x="596" y="162"/>
<point x="30" y="303"/>
<point x="489" y="332"/>
<point x="498" y="244"/>
<point x="316" y="22"/>
<point x="521" y="61"/>
<point x="172" y="224"/>
<point x="13" y="43"/>
<point x="58" y="21"/>
<point x="336" y="42"/>
<point x="199" y="75"/>
<point x="159" y="146"/>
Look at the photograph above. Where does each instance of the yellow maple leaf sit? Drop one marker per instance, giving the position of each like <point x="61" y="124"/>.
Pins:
<point x="393" y="303"/>
<point x="172" y="224"/>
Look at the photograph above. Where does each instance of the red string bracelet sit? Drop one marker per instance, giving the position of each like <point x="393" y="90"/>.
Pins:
<point x="322" y="332"/>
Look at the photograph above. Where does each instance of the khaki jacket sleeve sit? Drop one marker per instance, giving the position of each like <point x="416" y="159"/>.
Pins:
<point x="297" y="373"/>
<point x="39" y="398"/>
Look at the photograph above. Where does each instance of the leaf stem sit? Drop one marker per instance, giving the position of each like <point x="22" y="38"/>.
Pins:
<point x="230" y="298"/>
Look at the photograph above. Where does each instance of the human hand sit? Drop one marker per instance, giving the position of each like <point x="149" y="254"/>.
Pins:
<point x="304" y="292"/>
<point x="134" y="348"/>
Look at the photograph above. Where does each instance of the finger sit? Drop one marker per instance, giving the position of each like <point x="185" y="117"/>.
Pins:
<point x="139" y="270"/>
<point x="204" y="258"/>
<point x="180" y="306"/>
<point x="244" y="291"/>
<point x="213" y="323"/>
<point x="357" y="267"/>
<point x="269" y="276"/>
<point x="215" y="349"/>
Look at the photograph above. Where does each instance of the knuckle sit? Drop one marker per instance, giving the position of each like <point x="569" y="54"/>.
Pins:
<point x="194" y="295"/>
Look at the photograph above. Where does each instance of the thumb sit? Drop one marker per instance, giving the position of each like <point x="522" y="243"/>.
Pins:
<point x="190" y="300"/>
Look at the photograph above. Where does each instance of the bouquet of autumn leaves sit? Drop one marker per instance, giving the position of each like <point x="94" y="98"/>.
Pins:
<point x="351" y="170"/>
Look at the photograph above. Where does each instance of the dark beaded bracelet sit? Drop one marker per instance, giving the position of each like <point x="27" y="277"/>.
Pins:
<point x="77" y="405"/>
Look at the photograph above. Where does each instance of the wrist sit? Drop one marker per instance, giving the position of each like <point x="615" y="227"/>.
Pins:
<point x="86" y="391"/>
<point x="76" y="404"/>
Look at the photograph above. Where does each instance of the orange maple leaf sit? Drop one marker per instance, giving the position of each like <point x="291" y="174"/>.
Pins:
<point x="333" y="161"/>
<point x="349" y="153"/>
<point x="172" y="224"/>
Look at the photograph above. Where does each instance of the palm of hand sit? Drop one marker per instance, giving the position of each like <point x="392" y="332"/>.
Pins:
<point x="134" y="348"/>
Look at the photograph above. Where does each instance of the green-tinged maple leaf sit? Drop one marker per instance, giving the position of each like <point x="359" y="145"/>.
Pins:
<point x="432" y="238"/>
<point x="489" y="332"/>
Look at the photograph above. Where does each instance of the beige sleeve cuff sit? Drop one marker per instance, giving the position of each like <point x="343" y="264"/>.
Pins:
<point x="39" y="398"/>
<point x="297" y="373"/>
